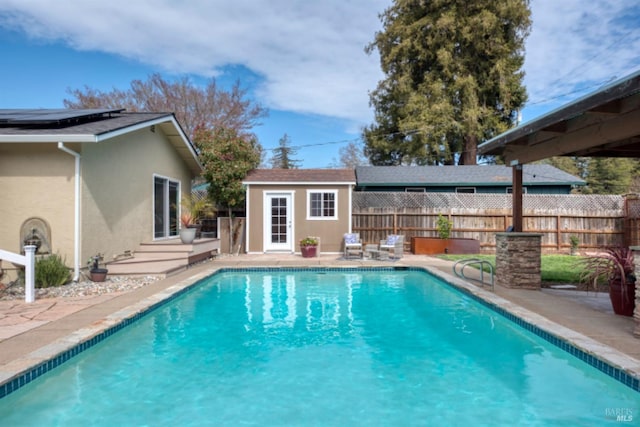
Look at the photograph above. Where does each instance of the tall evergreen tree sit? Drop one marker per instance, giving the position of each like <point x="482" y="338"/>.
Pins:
<point x="283" y="155"/>
<point x="453" y="79"/>
<point x="610" y="175"/>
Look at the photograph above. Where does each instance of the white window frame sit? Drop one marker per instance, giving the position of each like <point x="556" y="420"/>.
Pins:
<point x="415" y="190"/>
<point x="466" y="188"/>
<point x="335" y="205"/>
<point x="509" y="190"/>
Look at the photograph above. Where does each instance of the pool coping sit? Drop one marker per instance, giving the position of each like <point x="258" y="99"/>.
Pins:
<point x="608" y="360"/>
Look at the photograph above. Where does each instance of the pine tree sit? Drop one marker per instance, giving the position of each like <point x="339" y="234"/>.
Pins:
<point x="283" y="155"/>
<point x="610" y="175"/>
<point x="453" y="79"/>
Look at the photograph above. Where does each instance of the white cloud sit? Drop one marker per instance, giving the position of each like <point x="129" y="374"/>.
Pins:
<point x="311" y="53"/>
<point x="575" y="45"/>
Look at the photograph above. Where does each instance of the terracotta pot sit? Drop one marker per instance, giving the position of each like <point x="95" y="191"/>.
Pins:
<point x="98" y="274"/>
<point x="308" y="251"/>
<point x="622" y="301"/>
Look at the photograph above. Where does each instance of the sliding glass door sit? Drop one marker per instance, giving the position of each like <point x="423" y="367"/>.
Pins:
<point x="166" y="201"/>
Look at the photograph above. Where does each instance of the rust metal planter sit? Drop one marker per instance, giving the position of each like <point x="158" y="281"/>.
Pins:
<point x="436" y="245"/>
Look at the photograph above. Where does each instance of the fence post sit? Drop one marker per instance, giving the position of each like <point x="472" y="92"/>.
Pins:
<point x="29" y="273"/>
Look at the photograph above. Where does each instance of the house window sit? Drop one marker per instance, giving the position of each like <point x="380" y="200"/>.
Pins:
<point x="510" y="190"/>
<point x="322" y="204"/>
<point x="466" y="190"/>
<point x="414" y="190"/>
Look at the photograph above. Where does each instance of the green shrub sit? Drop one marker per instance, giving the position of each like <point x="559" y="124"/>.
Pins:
<point x="51" y="271"/>
<point x="443" y="225"/>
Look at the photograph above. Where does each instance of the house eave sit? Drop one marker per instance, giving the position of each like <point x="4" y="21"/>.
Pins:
<point x="170" y="127"/>
<point x="40" y="139"/>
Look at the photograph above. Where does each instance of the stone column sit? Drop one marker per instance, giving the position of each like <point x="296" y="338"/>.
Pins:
<point x="636" y="311"/>
<point x="518" y="260"/>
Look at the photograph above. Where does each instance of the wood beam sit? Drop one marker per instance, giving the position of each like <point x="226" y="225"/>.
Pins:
<point x="617" y="128"/>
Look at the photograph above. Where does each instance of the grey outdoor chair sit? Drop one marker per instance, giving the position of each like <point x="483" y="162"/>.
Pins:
<point x="352" y="245"/>
<point x="394" y="243"/>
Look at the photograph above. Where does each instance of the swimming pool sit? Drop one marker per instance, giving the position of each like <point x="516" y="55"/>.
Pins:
<point x="322" y="347"/>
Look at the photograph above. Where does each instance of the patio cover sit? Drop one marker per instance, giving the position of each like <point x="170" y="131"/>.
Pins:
<point x="605" y="123"/>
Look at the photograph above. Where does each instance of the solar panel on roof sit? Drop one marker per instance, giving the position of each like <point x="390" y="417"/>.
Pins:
<point x="46" y="116"/>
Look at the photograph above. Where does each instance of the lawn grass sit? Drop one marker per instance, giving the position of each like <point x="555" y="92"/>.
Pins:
<point x="554" y="268"/>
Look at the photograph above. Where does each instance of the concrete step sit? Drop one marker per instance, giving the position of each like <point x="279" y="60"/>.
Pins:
<point x="164" y="258"/>
<point x="153" y="268"/>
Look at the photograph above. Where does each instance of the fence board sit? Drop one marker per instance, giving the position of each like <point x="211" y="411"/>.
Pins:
<point x="597" y="221"/>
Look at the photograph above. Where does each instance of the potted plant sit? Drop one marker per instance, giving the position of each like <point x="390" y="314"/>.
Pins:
<point x="308" y="247"/>
<point x="187" y="231"/>
<point x="574" y="241"/>
<point x="198" y="207"/>
<point x="96" y="274"/>
<point x="615" y="266"/>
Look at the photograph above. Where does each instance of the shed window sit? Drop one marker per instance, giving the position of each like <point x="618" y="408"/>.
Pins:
<point x="322" y="204"/>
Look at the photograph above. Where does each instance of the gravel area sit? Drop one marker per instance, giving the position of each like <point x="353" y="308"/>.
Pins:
<point x="80" y="289"/>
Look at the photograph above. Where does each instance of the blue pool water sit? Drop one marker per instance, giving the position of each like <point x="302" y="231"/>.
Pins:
<point x="323" y="348"/>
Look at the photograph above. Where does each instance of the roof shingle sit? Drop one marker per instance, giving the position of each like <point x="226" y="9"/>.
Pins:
<point x="461" y="175"/>
<point x="300" y="175"/>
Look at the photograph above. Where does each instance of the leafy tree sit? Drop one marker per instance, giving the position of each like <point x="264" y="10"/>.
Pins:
<point x="351" y="155"/>
<point x="283" y="155"/>
<point x="610" y="175"/>
<point x="453" y="79"/>
<point x="227" y="157"/>
<point x="193" y="106"/>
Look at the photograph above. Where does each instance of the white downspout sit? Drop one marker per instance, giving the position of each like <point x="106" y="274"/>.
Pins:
<point x="76" y="213"/>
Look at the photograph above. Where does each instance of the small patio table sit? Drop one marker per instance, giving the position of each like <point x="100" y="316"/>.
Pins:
<point x="373" y="252"/>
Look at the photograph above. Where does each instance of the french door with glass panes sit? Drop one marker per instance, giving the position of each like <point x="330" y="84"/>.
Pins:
<point x="278" y="225"/>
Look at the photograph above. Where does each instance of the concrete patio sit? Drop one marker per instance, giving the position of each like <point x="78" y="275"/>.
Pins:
<point x="29" y="332"/>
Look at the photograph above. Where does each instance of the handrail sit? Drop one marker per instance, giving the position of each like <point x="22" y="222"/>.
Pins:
<point x="28" y="260"/>
<point x="471" y="261"/>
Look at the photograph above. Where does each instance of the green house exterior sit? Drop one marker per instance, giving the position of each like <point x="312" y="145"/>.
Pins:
<point x="496" y="179"/>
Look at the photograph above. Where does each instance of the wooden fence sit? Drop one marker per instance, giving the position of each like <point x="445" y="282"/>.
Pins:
<point x="557" y="218"/>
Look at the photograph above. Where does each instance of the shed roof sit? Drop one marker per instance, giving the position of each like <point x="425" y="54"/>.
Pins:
<point x="91" y="126"/>
<point x="486" y="175"/>
<point x="299" y="176"/>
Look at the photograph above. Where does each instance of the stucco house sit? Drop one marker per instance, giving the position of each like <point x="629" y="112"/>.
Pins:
<point x="537" y="179"/>
<point x="83" y="182"/>
<point x="286" y="205"/>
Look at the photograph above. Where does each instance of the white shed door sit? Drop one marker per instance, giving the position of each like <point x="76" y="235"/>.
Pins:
<point x="277" y="222"/>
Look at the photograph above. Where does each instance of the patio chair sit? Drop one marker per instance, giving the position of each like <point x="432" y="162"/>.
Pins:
<point x="393" y="243"/>
<point x="352" y="245"/>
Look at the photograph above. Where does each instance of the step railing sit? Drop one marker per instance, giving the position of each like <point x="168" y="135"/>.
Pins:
<point x="463" y="263"/>
<point x="29" y="262"/>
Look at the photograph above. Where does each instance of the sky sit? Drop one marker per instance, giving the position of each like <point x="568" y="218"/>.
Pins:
<point x="302" y="60"/>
